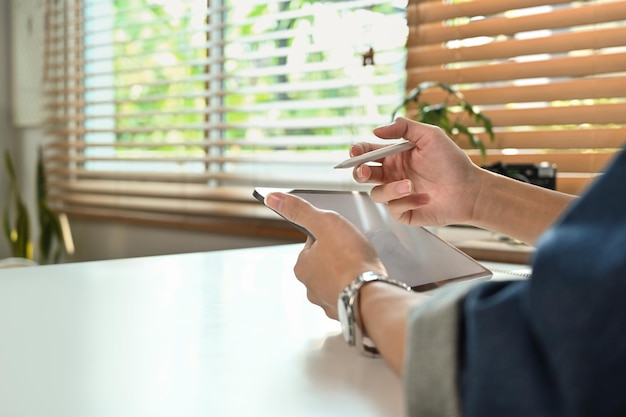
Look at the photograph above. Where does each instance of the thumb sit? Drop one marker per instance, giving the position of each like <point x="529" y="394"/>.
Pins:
<point x="294" y="209"/>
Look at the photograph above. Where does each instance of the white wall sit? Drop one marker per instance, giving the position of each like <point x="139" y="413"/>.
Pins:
<point x="93" y="239"/>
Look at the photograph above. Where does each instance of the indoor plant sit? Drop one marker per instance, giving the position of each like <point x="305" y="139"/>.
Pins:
<point x="16" y="221"/>
<point x="447" y="114"/>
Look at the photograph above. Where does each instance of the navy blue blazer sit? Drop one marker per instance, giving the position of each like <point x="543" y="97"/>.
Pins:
<point x="555" y="345"/>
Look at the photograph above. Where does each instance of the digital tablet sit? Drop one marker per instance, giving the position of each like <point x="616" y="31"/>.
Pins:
<point x="411" y="254"/>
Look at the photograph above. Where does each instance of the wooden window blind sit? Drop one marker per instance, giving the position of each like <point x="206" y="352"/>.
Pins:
<point x="551" y="75"/>
<point x="172" y="111"/>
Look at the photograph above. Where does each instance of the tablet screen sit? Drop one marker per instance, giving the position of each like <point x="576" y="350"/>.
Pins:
<point x="411" y="254"/>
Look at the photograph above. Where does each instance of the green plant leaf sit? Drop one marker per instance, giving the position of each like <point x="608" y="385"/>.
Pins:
<point x="23" y="243"/>
<point x="18" y="233"/>
<point x="468" y="108"/>
<point x="446" y="87"/>
<point x="51" y="233"/>
<point x="413" y="95"/>
<point x="8" y="163"/>
<point x="486" y="123"/>
<point x="6" y="220"/>
<point x="425" y="85"/>
<point x="473" y="139"/>
<point x="435" y="115"/>
<point x="441" y="116"/>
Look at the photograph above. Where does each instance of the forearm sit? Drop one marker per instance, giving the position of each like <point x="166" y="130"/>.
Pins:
<point x="387" y="326"/>
<point x="420" y="339"/>
<point x="517" y="209"/>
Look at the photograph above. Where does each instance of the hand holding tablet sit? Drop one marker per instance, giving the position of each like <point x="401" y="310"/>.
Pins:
<point x="410" y="254"/>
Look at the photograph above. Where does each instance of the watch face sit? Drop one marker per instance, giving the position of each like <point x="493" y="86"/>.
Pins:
<point x="345" y="319"/>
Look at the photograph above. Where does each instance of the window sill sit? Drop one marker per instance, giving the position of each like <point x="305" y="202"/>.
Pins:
<point x="251" y="226"/>
<point x="228" y="210"/>
<point x="234" y="211"/>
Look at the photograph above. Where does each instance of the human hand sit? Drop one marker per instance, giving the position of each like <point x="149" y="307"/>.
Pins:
<point x="433" y="184"/>
<point x="339" y="253"/>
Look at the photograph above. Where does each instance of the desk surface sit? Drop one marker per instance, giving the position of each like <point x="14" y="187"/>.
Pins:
<point x="226" y="333"/>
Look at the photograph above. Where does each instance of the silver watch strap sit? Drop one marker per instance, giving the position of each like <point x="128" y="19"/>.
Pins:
<point x="361" y="340"/>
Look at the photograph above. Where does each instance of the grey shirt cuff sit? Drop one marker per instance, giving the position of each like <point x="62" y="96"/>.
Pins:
<point x="431" y="364"/>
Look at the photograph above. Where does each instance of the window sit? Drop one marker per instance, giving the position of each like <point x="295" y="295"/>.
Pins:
<point x="171" y="111"/>
<point x="552" y="77"/>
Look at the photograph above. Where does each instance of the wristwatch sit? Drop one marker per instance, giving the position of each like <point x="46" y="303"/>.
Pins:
<point x="348" y="311"/>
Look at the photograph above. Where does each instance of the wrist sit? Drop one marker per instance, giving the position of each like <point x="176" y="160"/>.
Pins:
<point x="349" y="310"/>
<point x="384" y="314"/>
<point x="484" y="205"/>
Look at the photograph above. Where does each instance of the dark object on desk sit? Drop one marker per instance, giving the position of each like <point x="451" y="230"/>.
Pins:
<point x="543" y="174"/>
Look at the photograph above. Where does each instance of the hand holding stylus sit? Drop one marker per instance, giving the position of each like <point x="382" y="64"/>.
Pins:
<point x="432" y="182"/>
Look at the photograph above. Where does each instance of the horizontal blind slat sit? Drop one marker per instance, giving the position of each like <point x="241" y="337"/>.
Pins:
<point x="581" y="88"/>
<point x="586" y="14"/>
<point x="572" y="66"/>
<point x="573" y="115"/>
<point x="563" y="138"/>
<point x="188" y="191"/>
<point x="147" y="132"/>
<point x="433" y="11"/>
<point x="549" y="76"/>
<point x="510" y="48"/>
<point x="165" y="206"/>
<point x="564" y="115"/>
<point x="310" y="123"/>
<point x="326" y="179"/>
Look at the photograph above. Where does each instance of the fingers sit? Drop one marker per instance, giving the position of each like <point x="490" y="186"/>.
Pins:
<point x="398" y="208"/>
<point x="339" y="253"/>
<point x="292" y="208"/>
<point x="394" y="130"/>
<point x="366" y="173"/>
<point x="401" y="200"/>
<point x="392" y="191"/>
<point x="405" y="128"/>
<point x="363" y="147"/>
<point x="304" y="214"/>
<point x="363" y="173"/>
<point x="418" y="133"/>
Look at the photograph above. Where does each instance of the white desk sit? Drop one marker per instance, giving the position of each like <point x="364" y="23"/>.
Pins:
<point x="210" y="334"/>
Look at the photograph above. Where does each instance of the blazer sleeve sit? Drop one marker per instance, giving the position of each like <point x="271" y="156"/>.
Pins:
<point x="552" y="345"/>
<point x="431" y="367"/>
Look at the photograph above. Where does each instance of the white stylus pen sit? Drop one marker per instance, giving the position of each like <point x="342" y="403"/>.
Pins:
<point x="377" y="154"/>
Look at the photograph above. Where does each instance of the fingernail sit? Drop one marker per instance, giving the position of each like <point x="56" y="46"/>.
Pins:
<point x="404" y="187"/>
<point x="275" y="201"/>
<point x="360" y="173"/>
<point x="358" y="147"/>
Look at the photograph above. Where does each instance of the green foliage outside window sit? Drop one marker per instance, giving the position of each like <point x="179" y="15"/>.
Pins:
<point x="153" y="96"/>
